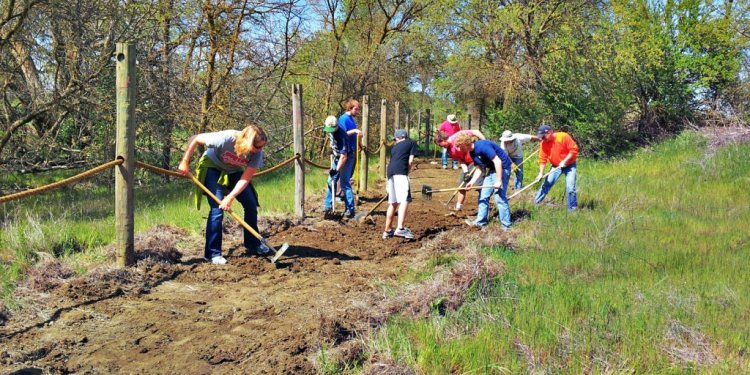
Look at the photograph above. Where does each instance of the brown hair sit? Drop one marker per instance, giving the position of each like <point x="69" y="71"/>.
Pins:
<point x="440" y="136"/>
<point x="464" y="139"/>
<point x="248" y="137"/>
<point x="350" y="104"/>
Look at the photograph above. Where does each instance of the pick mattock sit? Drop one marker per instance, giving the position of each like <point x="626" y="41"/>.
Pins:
<point x="460" y="187"/>
<point x="427" y="190"/>
<point x="250" y="229"/>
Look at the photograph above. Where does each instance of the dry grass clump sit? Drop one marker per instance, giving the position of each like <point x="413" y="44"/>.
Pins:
<point x="46" y="276"/>
<point x="447" y="290"/>
<point x="385" y="366"/>
<point x="158" y="244"/>
<point x="687" y="346"/>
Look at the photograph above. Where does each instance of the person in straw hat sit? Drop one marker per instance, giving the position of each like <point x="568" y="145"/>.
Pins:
<point x="512" y="144"/>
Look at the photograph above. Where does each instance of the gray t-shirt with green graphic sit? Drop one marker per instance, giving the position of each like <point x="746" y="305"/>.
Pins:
<point x="221" y="151"/>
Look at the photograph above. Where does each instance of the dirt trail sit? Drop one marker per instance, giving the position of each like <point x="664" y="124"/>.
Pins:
<point x="249" y="316"/>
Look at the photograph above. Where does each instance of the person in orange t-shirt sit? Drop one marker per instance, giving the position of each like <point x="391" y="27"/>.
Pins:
<point x="560" y="150"/>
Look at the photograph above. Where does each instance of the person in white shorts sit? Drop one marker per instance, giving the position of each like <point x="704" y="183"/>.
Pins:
<point x="399" y="195"/>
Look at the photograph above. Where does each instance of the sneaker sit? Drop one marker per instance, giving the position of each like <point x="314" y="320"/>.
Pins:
<point x="455" y="167"/>
<point x="350" y="215"/>
<point x="445" y="167"/>
<point x="262" y="249"/>
<point x="218" y="260"/>
<point x="404" y="232"/>
<point x="473" y="223"/>
<point x="388" y="234"/>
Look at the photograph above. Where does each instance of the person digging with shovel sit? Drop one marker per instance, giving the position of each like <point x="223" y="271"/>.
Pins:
<point x="489" y="159"/>
<point x="399" y="194"/>
<point x="560" y="150"/>
<point x="340" y="151"/>
<point x="230" y="161"/>
<point x="448" y="142"/>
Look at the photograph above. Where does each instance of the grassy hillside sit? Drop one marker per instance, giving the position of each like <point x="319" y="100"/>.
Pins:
<point x="651" y="276"/>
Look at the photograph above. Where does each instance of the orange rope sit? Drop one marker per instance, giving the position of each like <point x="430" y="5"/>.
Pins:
<point x="59" y="184"/>
<point x="321" y="166"/>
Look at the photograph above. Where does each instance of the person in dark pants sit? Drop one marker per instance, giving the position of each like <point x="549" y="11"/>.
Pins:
<point x="340" y="152"/>
<point x="398" y="186"/>
<point x="230" y="162"/>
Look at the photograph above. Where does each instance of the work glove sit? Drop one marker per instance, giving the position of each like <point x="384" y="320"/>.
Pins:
<point x="539" y="177"/>
<point x="467" y="177"/>
<point x="332" y="172"/>
<point x="562" y="165"/>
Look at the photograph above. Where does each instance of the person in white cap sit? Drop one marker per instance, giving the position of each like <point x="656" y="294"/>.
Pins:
<point x="512" y="144"/>
<point x="450" y="126"/>
<point x="399" y="195"/>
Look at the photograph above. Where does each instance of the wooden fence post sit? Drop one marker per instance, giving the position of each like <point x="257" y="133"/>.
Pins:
<point x="125" y="149"/>
<point x="383" y="137"/>
<point x="468" y="126"/>
<point x="365" y="139"/>
<point x="427" y="132"/>
<point x="299" y="149"/>
<point x="406" y="123"/>
<point x="396" y="116"/>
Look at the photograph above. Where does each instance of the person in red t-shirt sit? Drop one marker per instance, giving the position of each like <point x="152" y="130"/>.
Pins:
<point x="560" y="150"/>
<point x="463" y="158"/>
<point x="450" y="126"/>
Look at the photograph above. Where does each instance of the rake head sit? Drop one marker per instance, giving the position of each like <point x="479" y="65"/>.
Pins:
<point x="278" y="253"/>
<point x="426" y="192"/>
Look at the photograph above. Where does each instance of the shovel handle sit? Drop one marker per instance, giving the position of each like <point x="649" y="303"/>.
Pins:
<point x="234" y="215"/>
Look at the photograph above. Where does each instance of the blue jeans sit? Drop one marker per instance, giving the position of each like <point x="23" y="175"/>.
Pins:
<point x="345" y="174"/>
<point x="501" y="200"/>
<point x="328" y="203"/>
<point x="445" y="159"/>
<point x="570" y="186"/>
<point x="519" y="172"/>
<point x="215" y="216"/>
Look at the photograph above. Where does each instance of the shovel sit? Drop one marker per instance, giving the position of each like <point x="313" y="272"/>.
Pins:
<point x="361" y="219"/>
<point x="250" y="229"/>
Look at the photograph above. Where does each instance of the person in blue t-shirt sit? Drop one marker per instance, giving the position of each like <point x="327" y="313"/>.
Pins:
<point x="490" y="159"/>
<point x="346" y="122"/>
<point x="339" y="150"/>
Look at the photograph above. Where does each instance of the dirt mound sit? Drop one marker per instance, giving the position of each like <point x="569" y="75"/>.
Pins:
<point x="176" y="313"/>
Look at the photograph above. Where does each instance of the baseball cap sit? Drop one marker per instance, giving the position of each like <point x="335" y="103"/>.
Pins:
<point x="330" y="124"/>
<point x="400" y="133"/>
<point x="452" y="119"/>
<point x="507" y="136"/>
<point x="543" y="130"/>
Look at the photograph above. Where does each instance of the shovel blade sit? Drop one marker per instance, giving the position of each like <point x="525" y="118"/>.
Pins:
<point x="280" y="252"/>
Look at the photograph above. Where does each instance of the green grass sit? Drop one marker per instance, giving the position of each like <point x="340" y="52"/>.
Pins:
<point x="651" y="277"/>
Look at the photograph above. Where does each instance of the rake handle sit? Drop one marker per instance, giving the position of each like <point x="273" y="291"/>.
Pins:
<point x="460" y="188"/>
<point x="533" y="183"/>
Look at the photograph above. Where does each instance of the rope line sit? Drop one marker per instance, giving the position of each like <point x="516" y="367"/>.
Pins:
<point x="156" y="169"/>
<point x="321" y="166"/>
<point x="61" y="183"/>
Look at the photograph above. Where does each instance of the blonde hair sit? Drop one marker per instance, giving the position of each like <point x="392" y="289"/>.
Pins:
<point x="464" y="139"/>
<point x="248" y="137"/>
